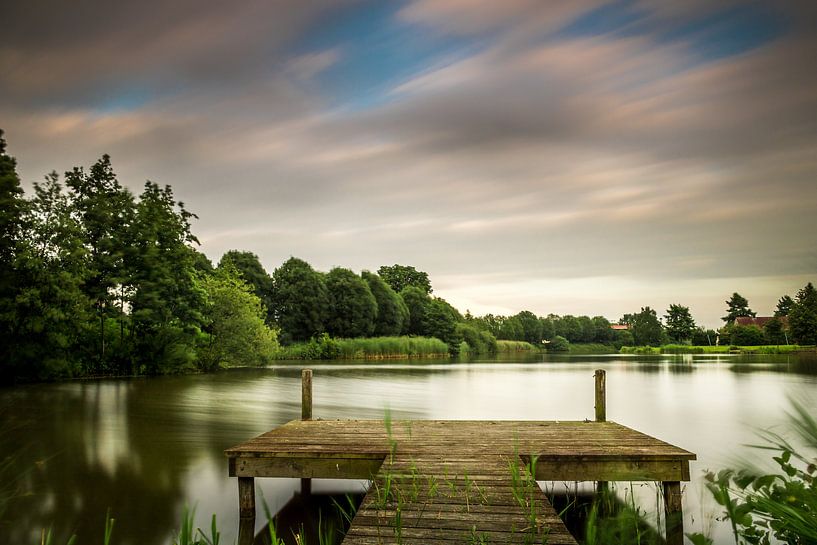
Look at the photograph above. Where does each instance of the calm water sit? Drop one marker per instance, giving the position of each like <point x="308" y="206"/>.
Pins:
<point x="145" y="448"/>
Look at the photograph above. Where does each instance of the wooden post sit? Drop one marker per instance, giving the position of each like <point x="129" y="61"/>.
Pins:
<point x="673" y="513"/>
<point x="601" y="395"/>
<point x="246" y="510"/>
<point x="306" y="414"/>
<point x="306" y="394"/>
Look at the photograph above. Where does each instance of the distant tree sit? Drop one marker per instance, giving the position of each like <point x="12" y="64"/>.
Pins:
<point x="531" y="327"/>
<point x="569" y="327"/>
<point x="300" y="302"/>
<point x="602" y="333"/>
<point x="352" y="307"/>
<point x="737" y="305"/>
<point x="399" y="277"/>
<point x="234" y="320"/>
<point x="492" y="323"/>
<point x="623" y="337"/>
<point x="441" y="321"/>
<point x="774" y="331"/>
<point x="746" y="335"/>
<point x="646" y="327"/>
<point x="249" y="267"/>
<point x="803" y="316"/>
<point x="548" y="330"/>
<point x="392" y="312"/>
<point x="511" y="329"/>
<point x="201" y="262"/>
<point x="679" y="323"/>
<point x="784" y="306"/>
<point x="479" y="341"/>
<point x="704" y="337"/>
<point x="417" y="302"/>
<point x="558" y="344"/>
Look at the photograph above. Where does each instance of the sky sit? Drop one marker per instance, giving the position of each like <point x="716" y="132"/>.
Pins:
<point x="581" y="157"/>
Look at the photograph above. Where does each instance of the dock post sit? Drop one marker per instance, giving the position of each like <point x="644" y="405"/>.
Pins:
<point x="246" y="510"/>
<point x="306" y="414"/>
<point x="601" y="395"/>
<point x="673" y="513"/>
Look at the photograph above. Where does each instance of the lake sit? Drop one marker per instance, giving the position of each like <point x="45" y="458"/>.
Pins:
<point x="146" y="448"/>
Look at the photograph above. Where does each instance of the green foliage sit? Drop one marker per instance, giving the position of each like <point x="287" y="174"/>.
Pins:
<point x="784" y="305"/>
<point x="236" y="332"/>
<point x="400" y="277"/>
<point x="324" y="347"/>
<point x="765" y="508"/>
<point x="417" y="302"/>
<point x="513" y="346"/>
<point x="300" y="300"/>
<point x="679" y="323"/>
<point x="440" y="321"/>
<point x="645" y="327"/>
<point x="623" y="337"/>
<point x="352" y="307"/>
<point x="249" y="267"/>
<point x="558" y="344"/>
<point x="704" y="337"/>
<point x="736" y="306"/>
<point x="743" y="335"/>
<point x="392" y="312"/>
<point x="531" y="327"/>
<point x="803" y="316"/>
<point x="511" y="329"/>
<point x="479" y="341"/>
<point x="773" y="332"/>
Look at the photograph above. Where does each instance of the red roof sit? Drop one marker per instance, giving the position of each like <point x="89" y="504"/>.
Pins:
<point x="619" y="326"/>
<point x="760" y="321"/>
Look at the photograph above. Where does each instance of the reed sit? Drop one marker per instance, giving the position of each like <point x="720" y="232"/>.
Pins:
<point x="371" y="348"/>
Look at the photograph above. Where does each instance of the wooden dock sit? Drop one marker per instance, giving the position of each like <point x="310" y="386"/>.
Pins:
<point x="448" y="482"/>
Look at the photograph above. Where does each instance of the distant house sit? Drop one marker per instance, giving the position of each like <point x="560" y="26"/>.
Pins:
<point x="760" y="321"/>
<point x="619" y="327"/>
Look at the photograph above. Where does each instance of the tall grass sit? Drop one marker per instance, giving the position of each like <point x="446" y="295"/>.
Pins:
<point x="513" y="346"/>
<point x="375" y="348"/>
<point x="722" y="349"/>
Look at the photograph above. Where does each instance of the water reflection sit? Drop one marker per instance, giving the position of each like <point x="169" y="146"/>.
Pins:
<point x="146" y="447"/>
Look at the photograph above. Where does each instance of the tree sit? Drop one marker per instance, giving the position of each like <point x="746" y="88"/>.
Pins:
<point x="352" y="307"/>
<point x="300" y="302"/>
<point x="249" y="267"/>
<point x="737" y="305"/>
<point x="234" y="320"/>
<point x="166" y="302"/>
<point x="417" y="302"/>
<point x="511" y="329"/>
<point x="679" y="323"/>
<point x="440" y="321"/>
<point x="774" y="331"/>
<point x="803" y="316"/>
<point x="603" y="333"/>
<point x="746" y="335"/>
<point x="392" y="313"/>
<point x="784" y="306"/>
<point x="704" y="337"/>
<point x="645" y="327"/>
<point x="105" y="211"/>
<point x="399" y="277"/>
<point x="531" y="327"/>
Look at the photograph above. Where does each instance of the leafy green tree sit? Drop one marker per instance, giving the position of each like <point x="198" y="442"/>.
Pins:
<point x="587" y="329"/>
<point x="803" y="316"/>
<point x="479" y="341"/>
<point x="392" y="313"/>
<point x="559" y="344"/>
<point x="511" y="329"/>
<point x="531" y="327"/>
<point x="234" y="320"/>
<point x="12" y="210"/>
<point x="746" y="335"/>
<point x="704" y="337"/>
<point x="784" y="306"/>
<point x="774" y="332"/>
<point x="737" y="305"/>
<point x="548" y="329"/>
<point x="569" y="327"/>
<point x="645" y="327"/>
<point x="300" y="302"/>
<point x="399" y="277"/>
<point x="166" y="302"/>
<point x="105" y="211"/>
<point x="440" y="321"/>
<point x="417" y="302"/>
<point x="352" y="307"/>
<point x="602" y="331"/>
<point x="679" y="323"/>
<point x="253" y="273"/>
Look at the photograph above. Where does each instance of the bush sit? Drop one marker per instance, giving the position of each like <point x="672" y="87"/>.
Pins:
<point x="749" y="335"/>
<point x="558" y="344"/>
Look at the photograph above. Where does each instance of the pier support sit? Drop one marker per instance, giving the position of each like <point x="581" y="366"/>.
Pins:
<point x="306" y="414"/>
<point x="674" y="513"/>
<point x="246" y="510"/>
<point x="601" y="395"/>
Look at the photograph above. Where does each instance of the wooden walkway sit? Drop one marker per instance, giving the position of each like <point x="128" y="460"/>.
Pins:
<point x="449" y="482"/>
